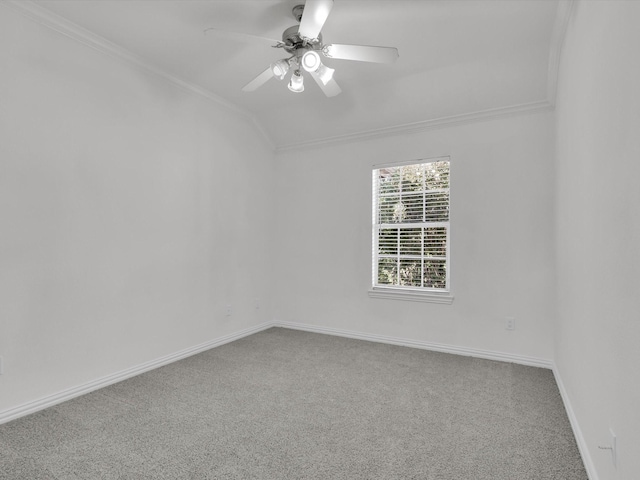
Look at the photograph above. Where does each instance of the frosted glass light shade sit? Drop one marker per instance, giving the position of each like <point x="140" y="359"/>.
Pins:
<point x="296" y="84"/>
<point x="280" y="69"/>
<point x="311" y="61"/>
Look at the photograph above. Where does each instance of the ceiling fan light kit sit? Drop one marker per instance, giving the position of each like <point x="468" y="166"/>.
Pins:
<point x="311" y="61"/>
<point x="280" y="68"/>
<point x="296" y="84"/>
<point x="304" y="43"/>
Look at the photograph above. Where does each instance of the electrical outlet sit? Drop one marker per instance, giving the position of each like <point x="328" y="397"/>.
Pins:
<point x="228" y="311"/>
<point x="510" y="323"/>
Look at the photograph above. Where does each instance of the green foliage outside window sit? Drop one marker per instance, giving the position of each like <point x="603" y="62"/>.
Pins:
<point x="412" y="223"/>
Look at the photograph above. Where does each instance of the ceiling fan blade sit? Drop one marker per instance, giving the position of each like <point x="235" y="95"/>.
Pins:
<point x="362" y="53"/>
<point x="313" y="18"/>
<point x="258" y="81"/>
<point x="330" y="89"/>
<point x="239" y="35"/>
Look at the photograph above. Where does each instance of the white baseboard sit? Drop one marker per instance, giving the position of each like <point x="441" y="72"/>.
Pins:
<point x="437" y="347"/>
<point x="575" y="426"/>
<point x="68" y="394"/>
<point x="472" y="352"/>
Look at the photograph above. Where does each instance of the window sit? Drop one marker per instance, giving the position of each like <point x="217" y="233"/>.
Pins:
<point x="411" y="231"/>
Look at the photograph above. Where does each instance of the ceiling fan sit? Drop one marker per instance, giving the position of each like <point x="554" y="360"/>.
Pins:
<point x="304" y="45"/>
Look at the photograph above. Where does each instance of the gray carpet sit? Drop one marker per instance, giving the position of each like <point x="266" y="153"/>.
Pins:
<point x="284" y="404"/>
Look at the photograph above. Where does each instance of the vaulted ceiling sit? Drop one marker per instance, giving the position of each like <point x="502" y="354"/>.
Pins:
<point x="458" y="58"/>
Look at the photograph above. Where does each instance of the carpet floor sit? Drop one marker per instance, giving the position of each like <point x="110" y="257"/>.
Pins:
<point x="286" y="404"/>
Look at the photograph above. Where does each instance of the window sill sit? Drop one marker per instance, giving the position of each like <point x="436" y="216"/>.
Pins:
<point x="411" y="295"/>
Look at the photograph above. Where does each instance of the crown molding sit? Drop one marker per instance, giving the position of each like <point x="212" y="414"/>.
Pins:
<point x="563" y="14"/>
<point x="424" y="125"/>
<point x="263" y="133"/>
<point x="65" y="27"/>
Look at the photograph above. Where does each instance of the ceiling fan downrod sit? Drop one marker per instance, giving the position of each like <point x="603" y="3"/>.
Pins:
<point x="297" y="12"/>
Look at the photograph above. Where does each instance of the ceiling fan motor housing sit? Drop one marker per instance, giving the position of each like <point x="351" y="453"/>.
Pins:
<point x="293" y="42"/>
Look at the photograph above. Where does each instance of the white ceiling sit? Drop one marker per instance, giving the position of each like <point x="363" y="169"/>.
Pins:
<point x="456" y="57"/>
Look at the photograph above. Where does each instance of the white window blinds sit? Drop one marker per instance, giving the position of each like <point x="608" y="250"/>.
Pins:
<point x="411" y="226"/>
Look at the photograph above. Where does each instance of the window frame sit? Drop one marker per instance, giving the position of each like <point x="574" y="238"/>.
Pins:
<point x="410" y="293"/>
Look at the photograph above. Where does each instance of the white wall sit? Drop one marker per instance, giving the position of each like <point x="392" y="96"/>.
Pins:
<point x="598" y="229"/>
<point x="502" y="192"/>
<point x="131" y="212"/>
